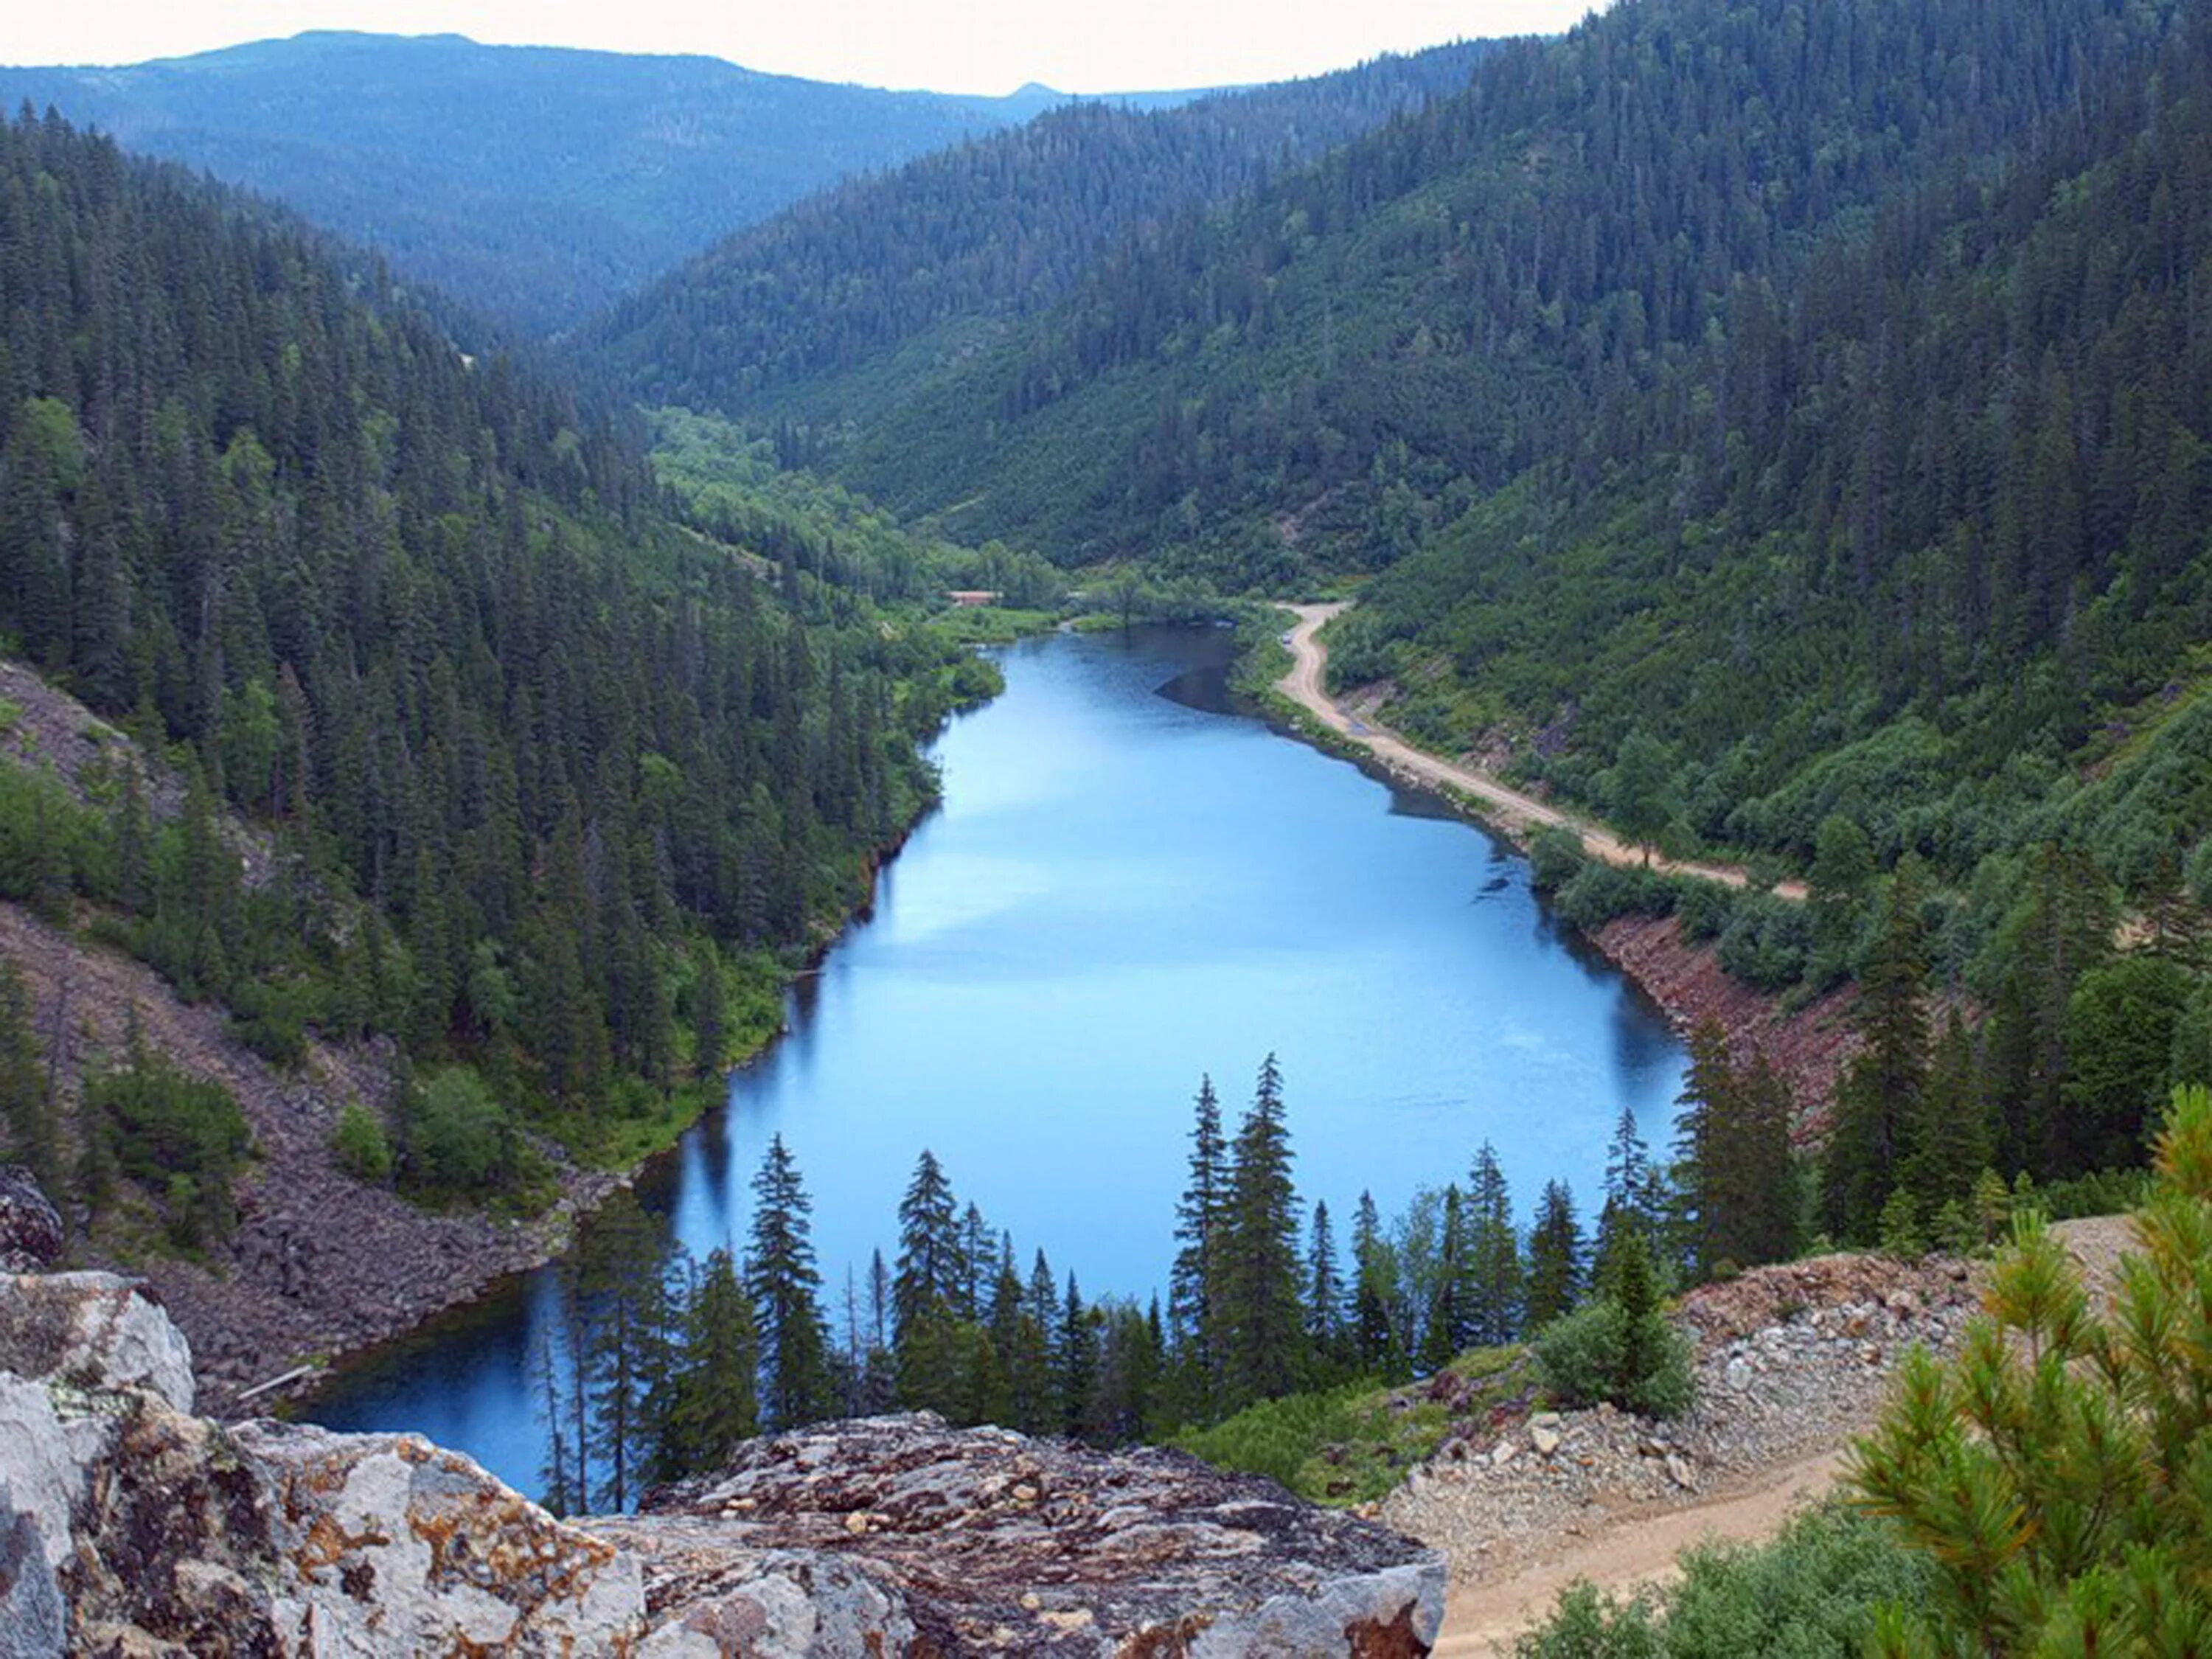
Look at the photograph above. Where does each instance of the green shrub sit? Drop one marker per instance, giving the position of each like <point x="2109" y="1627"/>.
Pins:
<point x="179" y="1135"/>
<point x="361" y="1147"/>
<point x="1600" y="1352"/>
<point x="1555" y="858"/>
<point x="1767" y="943"/>
<point x="459" y="1138"/>
<point x="1810" y="1593"/>
<point x="1600" y="892"/>
<point x="1706" y="909"/>
<point x="271" y="1017"/>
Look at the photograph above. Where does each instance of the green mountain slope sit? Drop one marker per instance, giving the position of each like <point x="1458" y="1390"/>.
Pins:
<point x="1323" y="371"/>
<point x="963" y="240"/>
<point x="532" y="182"/>
<point x="1903" y="539"/>
<point x="421" y="615"/>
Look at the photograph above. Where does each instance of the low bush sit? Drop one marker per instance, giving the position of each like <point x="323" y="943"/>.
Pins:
<point x="180" y="1136"/>
<point x="459" y="1137"/>
<point x="1810" y="1593"/>
<point x="362" y="1149"/>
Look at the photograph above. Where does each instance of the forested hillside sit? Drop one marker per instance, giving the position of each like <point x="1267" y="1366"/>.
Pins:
<point x="1324" y="370"/>
<point x="535" y="766"/>
<point x="535" y="183"/>
<point x="992" y="230"/>
<point x="1936" y="511"/>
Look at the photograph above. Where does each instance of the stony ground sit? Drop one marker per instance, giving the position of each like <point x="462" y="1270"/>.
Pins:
<point x="1792" y="1363"/>
<point x="1791" y="1360"/>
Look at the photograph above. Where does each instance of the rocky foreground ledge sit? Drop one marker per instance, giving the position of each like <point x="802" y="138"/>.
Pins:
<point x="129" y="1526"/>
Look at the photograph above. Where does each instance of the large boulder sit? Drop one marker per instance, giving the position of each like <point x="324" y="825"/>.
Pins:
<point x="388" y="1544"/>
<point x="897" y="1535"/>
<point x="129" y="1526"/>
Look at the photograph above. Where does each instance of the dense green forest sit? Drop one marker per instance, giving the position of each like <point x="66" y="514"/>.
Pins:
<point x="1315" y="372"/>
<point x="543" y="775"/>
<point x="532" y="183"/>
<point x="995" y="229"/>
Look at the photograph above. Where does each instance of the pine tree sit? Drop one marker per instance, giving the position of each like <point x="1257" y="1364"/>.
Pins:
<point x="1202" y="1222"/>
<point x="716" y="1404"/>
<point x="1259" y="1309"/>
<point x="1324" y="1291"/>
<point x="1496" y="1285"/>
<point x="786" y="1288"/>
<point x="1555" y="1257"/>
<point x="2046" y="1474"/>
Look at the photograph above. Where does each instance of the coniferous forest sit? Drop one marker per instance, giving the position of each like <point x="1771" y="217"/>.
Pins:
<point x="1779" y="431"/>
<point x="535" y="766"/>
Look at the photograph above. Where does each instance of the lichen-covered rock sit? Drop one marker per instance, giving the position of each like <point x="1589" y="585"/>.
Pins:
<point x="30" y="1227"/>
<point x="94" y="1330"/>
<point x="129" y="1526"/>
<point x="388" y="1544"/>
<point x="896" y="1535"/>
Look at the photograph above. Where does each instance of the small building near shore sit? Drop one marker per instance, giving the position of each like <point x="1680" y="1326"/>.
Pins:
<point x="968" y="598"/>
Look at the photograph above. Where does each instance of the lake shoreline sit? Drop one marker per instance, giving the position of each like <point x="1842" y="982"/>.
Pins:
<point x="1684" y="982"/>
<point x="479" y="1270"/>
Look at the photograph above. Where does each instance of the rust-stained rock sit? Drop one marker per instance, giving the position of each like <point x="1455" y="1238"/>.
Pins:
<point x="985" y="1541"/>
<point x="388" y="1544"/>
<point x="130" y="1527"/>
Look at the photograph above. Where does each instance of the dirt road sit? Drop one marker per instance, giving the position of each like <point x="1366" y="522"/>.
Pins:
<point x="1516" y="812"/>
<point x="1632" y="1549"/>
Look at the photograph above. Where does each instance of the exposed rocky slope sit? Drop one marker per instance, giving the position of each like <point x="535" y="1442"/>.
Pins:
<point x="320" y="1263"/>
<point x="129" y="1525"/>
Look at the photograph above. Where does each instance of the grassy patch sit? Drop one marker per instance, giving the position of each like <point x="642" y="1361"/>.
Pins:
<point x="1354" y="1443"/>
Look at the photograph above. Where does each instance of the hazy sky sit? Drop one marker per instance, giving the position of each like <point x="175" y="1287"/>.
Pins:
<point x="952" y="46"/>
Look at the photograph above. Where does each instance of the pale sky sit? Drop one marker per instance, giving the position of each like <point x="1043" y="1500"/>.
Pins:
<point x="949" y="45"/>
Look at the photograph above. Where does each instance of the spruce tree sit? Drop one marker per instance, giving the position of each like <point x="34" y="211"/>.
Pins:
<point x="1194" y="1285"/>
<point x="1880" y="1091"/>
<point x="1075" y="1360"/>
<point x="1261" y="1319"/>
<point x="1324" y="1291"/>
<point x="1495" y="1286"/>
<point x="930" y="1284"/>
<point x="1373" y="1342"/>
<point x="717" y="1391"/>
<point x="1450" y="1322"/>
<point x="786" y="1290"/>
<point x="1555" y="1257"/>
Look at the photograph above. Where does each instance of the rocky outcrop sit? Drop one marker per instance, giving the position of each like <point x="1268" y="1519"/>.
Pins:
<point x="129" y="1526"/>
<point x="899" y="1532"/>
<point x="30" y="1228"/>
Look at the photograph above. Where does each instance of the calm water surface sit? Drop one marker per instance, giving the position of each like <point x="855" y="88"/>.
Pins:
<point x="1128" y="885"/>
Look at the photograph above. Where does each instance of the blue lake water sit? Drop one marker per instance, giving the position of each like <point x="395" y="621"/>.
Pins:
<point x="1128" y="885"/>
